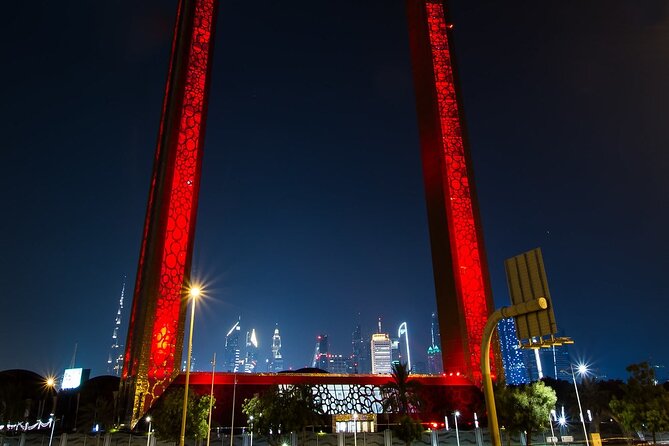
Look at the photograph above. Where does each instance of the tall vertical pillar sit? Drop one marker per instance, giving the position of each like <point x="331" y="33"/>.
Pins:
<point x="464" y="299"/>
<point x="155" y="335"/>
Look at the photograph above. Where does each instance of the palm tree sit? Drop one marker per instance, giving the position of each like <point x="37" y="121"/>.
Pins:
<point x="401" y="395"/>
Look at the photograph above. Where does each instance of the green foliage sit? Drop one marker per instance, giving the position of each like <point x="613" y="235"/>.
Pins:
<point x="525" y="408"/>
<point x="167" y="415"/>
<point x="644" y="405"/>
<point x="277" y="412"/>
<point x="408" y="429"/>
<point x="401" y="395"/>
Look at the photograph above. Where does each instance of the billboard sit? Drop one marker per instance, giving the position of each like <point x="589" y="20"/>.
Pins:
<point x="73" y="378"/>
<point x="526" y="278"/>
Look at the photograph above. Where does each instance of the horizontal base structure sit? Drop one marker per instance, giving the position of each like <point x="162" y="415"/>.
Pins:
<point x="339" y="394"/>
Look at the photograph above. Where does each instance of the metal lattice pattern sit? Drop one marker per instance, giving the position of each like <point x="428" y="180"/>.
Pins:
<point x="349" y="398"/>
<point x="181" y="200"/>
<point x="460" y="213"/>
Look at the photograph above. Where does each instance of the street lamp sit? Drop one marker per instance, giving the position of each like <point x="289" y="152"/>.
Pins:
<point x="582" y="370"/>
<point x="456" y="414"/>
<point x="551" y="416"/>
<point x="211" y="397"/>
<point x="194" y="293"/>
<point x="355" y="429"/>
<point x="251" y="426"/>
<point x="53" y="426"/>
<point x="148" y="434"/>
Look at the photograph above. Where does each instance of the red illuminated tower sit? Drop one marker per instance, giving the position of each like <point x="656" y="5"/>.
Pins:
<point x="155" y="334"/>
<point x="464" y="300"/>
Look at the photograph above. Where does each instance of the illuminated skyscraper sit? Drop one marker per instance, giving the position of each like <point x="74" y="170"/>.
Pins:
<point x="381" y="354"/>
<point x="435" y="365"/>
<point x="512" y="357"/>
<point x="404" y="346"/>
<point x="251" y="360"/>
<point x="276" y="365"/>
<point x="115" y="360"/>
<point x="321" y="352"/>
<point x="381" y="348"/>
<point x="360" y="358"/>
<point x="232" y="357"/>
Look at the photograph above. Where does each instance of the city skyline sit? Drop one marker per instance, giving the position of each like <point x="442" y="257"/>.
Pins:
<point x="311" y="194"/>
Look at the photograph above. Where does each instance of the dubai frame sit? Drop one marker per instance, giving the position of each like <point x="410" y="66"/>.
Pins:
<point x="156" y="329"/>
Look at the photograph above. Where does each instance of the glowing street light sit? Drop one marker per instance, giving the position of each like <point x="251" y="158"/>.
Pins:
<point x="194" y="293"/>
<point x="582" y="370"/>
<point x="53" y="426"/>
<point x="355" y="429"/>
<point x="552" y="415"/>
<point x="251" y="426"/>
<point x="456" y="414"/>
<point x="148" y="434"/>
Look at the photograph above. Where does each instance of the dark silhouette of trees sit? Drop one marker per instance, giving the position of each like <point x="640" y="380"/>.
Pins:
<point x="167" y="412"/>
<point x="644" y="405"/>
<point x="402" y="396"/>
<point x="279" y="411"/>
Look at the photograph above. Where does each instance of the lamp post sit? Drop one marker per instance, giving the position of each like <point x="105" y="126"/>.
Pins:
<point x="355" y="429"/>
<point x="251" y="427"/>
<point x="456" y="414"/>
<point x="148" y="434"/>
<point x="53" y="426"/>
<point x="194" y="293"/>
<point x="582" y="370"/>
<point x="211" y="397"/>
<point x="550" y="421"/>
<point x="232" y="422"/>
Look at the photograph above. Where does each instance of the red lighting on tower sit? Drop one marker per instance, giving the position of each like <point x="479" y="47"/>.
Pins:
<point x="458" y="257"/>
<point x="155" y="335"/>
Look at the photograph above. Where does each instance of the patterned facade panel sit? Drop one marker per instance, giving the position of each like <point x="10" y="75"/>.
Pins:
<point x="349" y="398"/>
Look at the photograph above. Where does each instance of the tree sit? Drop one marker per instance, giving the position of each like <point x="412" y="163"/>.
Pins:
<point x="597" y="396"/>
<point x="408" y="429"/>
<point x="644" y="405"/>
<point x="279" y="411"/>
<point x="525" y="408"/>
<point x="167" y="414"/>
<point x="401" y="395"/>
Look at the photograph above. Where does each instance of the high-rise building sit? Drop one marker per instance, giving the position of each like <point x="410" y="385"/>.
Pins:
<point x="115" y="359"/>
<point x="251" y="360"/>
<point x="395" y="354"/>
<point x="276" y="364"/>
<point x="419" y="368"/>
<point x="321" y="352"/>
<point x="405" y="351"/>
<point x="337" y="364"/>
<point x="232" y="358"/>
<point x="512" y="357"/>
<point x="381" y="354"/>
<point x="359" y="362"/>
<point x="435" y="364"/>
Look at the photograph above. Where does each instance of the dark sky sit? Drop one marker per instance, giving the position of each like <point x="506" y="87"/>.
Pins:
<point x="312" y="207"/>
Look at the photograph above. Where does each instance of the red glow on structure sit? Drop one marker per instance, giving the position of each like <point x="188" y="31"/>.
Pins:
<point x="182" y="192"/>
<point x="460" y="212"/>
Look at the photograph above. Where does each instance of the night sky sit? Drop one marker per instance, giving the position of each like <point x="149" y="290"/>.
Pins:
<point x="312" y="207"/>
